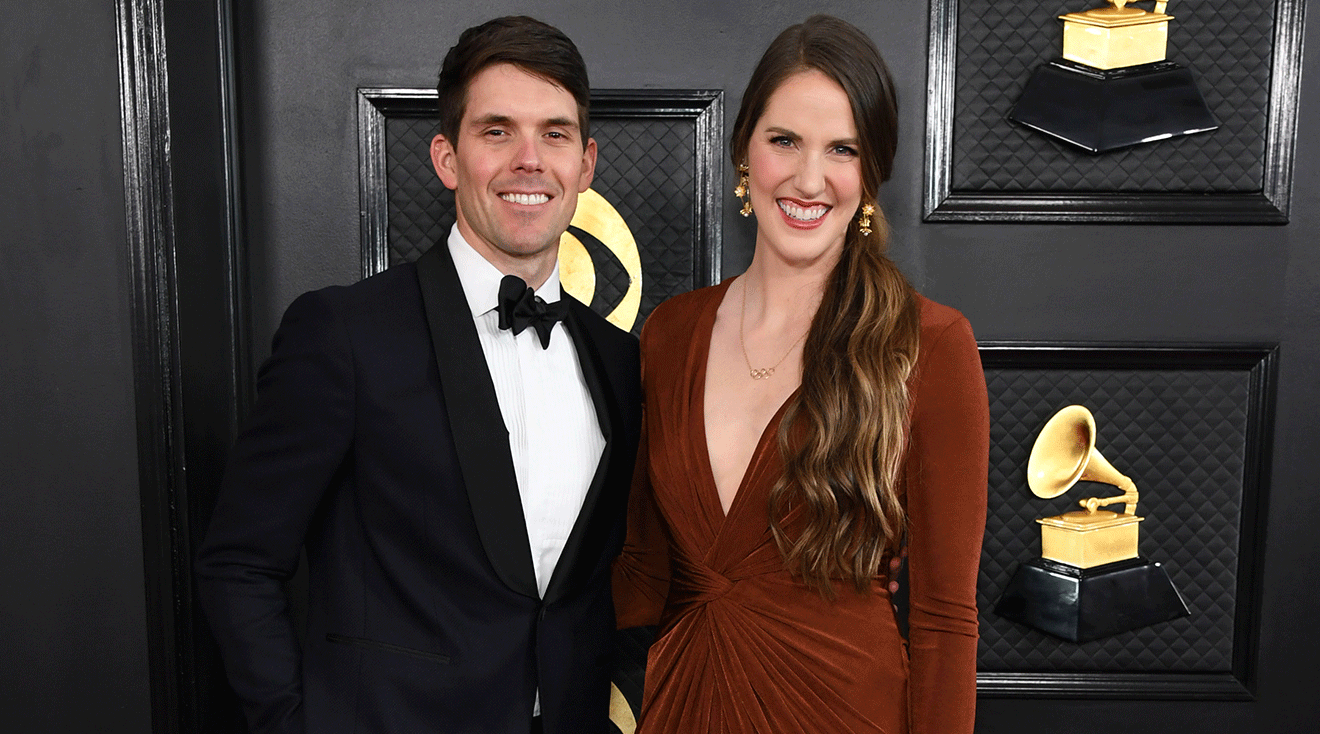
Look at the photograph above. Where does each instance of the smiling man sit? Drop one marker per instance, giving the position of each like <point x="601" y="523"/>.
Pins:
<point x="450" y="441"/>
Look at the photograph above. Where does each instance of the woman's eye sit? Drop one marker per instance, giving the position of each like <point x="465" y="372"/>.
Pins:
<point x="782" y="141"/>
<point x="845" y="150"/>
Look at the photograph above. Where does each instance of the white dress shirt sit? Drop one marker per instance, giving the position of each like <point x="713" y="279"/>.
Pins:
<point x="554" y="435"/>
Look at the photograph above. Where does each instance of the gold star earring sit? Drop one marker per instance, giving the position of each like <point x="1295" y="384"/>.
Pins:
<point x="741" y="190"/>
<point x="864" y="223"/>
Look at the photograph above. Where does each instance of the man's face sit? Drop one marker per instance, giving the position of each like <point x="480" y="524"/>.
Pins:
<point x="516" y="168"/>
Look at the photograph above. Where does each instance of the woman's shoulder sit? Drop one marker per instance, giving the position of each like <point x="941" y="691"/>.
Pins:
<point x="677" y="316"/>
<point x="936" y="316"/>
<point x="944" y="327"/>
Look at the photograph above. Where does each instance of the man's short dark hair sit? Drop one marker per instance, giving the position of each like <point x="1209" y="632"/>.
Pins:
<point x="538" y="48"/>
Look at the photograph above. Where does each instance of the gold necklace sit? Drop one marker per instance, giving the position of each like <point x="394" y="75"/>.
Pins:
<point x="762" y="373"/>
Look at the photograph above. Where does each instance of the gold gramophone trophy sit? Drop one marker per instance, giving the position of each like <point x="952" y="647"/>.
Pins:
<point x="1090" y="581"/>
<point x="1113" y="86"/>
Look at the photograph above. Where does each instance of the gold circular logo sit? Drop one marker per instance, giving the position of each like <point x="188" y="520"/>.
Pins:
<point x="621" y="712"/>
<point x="599" y="263"/>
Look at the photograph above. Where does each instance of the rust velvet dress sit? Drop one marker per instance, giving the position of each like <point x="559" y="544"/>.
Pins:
<point x="744" y="647"/>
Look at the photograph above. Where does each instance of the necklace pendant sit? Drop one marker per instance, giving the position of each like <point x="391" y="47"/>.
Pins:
<point x="762" y="374"/>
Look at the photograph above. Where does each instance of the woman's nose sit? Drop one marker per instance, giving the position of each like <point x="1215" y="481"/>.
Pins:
<point x="809" y="179"/>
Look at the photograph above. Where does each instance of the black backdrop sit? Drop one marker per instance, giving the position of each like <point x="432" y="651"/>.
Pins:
<point x="108" y="317"/>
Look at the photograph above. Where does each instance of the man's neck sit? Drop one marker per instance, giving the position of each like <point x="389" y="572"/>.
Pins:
<point x="534" y="269"/>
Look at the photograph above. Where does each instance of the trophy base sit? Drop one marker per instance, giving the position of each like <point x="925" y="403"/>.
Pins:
<point x="1102" y="110"/>
<point x="1081" y="605"/>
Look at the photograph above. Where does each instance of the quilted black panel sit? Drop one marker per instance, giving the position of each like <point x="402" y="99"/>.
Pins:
<point x="646" y="170"/>
<point x="1228" y="46"/>
<point x="1181" y="436"/>
<point x="421" y="208"/>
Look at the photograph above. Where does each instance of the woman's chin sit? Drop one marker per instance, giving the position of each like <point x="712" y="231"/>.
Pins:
<point x="801" y="249"/>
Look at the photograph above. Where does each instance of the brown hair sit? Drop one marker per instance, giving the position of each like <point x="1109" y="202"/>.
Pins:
<point x="844" y="435"/>
<point x="535" y="47"/>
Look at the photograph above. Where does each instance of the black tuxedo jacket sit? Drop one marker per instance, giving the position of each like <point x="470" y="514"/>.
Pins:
<point x="378" y="445"/>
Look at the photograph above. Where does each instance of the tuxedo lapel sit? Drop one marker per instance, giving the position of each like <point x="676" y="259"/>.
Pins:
<point x="604" y="400"/>
<point x="480" y="436"/>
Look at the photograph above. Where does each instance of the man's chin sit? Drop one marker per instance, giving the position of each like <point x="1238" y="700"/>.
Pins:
<point x="530" y="243"/>
<point x="531" y="249"/>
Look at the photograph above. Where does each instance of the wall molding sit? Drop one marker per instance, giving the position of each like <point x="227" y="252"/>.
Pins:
<point x="148" y="194"/>
<point x="188" y="273"/>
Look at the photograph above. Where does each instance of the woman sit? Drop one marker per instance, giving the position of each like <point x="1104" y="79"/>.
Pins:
<point x="804" y="422"/>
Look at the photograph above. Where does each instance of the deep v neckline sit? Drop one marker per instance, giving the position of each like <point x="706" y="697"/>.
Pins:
<point x="711" y="491"/>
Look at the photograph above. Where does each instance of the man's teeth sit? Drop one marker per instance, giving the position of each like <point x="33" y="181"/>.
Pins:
<point x="803" y="214"/>
<point x="526" y="199"/>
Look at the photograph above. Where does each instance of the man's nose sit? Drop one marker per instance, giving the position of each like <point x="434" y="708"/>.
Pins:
<point x="527" y="156"/>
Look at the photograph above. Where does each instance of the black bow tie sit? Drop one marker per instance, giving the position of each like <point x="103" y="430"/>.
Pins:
<point x="520" y="307"/>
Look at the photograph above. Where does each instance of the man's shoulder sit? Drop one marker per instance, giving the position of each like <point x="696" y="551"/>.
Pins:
<point x="389" y="286"/>
<point x="604" y="333"/>
<point x="387" y="300"/>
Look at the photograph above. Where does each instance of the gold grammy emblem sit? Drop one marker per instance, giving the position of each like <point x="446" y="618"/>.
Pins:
<point x="1114" y="86"/>
<point x="1090" y="581"/>
<point x="1116" y="36"/>
<point x="1063" y="455"/>
<point x="599" y="223"/>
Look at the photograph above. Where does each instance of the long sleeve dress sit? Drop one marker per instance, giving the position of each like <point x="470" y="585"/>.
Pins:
<point x="744" y="646"/>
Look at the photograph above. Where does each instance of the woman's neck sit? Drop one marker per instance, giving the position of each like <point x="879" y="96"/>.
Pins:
<point x="781" y="295"/>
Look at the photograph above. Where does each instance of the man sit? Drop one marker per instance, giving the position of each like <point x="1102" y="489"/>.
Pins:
<point x="452" y="451"/>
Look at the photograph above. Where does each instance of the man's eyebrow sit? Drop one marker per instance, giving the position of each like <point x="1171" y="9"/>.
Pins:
<point x="561" y="122"/>
<point x="498" y="119"/>
<point x="492" y="119"/>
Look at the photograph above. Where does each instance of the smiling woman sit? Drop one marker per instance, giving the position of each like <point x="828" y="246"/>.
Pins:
<point x="803" y="170"/>
<point x="806" y="422"/>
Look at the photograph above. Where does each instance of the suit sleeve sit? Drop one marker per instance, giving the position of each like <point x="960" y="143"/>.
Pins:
<point x="946" y="501"/>
<point x="641" y="572"/>
<point x="278" y="472"/>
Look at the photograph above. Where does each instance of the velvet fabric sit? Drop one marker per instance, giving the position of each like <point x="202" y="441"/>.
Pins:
<point x="744" y="646"/>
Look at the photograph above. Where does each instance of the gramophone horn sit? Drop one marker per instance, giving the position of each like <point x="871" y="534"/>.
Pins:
<point x="1065" y="453"/>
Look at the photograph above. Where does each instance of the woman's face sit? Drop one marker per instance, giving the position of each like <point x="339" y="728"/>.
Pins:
<point x="804" y="170"/>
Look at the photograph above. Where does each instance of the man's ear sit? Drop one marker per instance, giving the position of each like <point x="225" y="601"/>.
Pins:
<point x="588" y="165"/>
<point x="442" y="159"/>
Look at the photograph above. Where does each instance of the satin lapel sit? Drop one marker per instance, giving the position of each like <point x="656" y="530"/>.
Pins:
<point x="602" y="397"/>
<point x="475" y="421"/>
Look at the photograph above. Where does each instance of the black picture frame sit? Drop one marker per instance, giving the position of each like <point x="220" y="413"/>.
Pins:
<point x="703" y="109"/>
<point x="943" y="201"/>
<point x="1258" y="365"/>
<point x="187" y="258"/>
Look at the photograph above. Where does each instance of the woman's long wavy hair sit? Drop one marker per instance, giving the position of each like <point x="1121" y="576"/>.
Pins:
<point x="844" y="435"/>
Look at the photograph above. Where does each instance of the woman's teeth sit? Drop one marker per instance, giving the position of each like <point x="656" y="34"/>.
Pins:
<point x="803" y="214"/>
